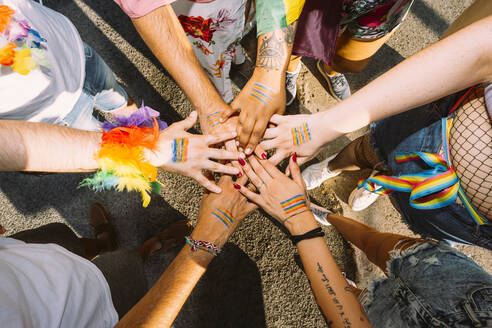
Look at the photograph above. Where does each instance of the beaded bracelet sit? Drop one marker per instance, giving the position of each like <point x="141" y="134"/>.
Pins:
<point x="203" y="245"/>
<point x="121" y="159"/>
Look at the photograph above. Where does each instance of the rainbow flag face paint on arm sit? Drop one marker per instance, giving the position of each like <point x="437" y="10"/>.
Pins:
<point x="223" y="216"/>
<point x="214" y="119"/>
<point x="301" y="135"/>
<point x="180" y="150"/>
<point x="293" y="204"/>
<point x="261" y="93"/>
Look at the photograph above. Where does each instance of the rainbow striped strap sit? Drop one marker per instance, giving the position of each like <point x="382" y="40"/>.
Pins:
<point x="223" y="216"/>
<point x="430" y="189"/>
<point x="293" y="204"/>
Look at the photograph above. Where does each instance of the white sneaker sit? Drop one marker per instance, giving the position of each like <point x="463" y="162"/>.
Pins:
<point x="320" y="214"/>
<point x="361" y="199"/>
<point x="315" y="174"/>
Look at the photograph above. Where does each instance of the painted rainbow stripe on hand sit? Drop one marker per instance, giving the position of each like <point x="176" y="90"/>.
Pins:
<point x="180" y="150"/>
<point x="260" y="93"/>
<point x="301" y="134"/>
<point x="294" y="203"/>
<point x="223" y="215"/>
<point x="214" y="118"/>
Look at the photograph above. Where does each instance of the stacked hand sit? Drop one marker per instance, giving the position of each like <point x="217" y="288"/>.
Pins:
<point x="188" y="154"/>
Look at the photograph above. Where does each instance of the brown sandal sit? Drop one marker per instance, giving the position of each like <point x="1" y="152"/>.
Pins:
<point x="173" y="235"/>
<point x="100" y="222"/>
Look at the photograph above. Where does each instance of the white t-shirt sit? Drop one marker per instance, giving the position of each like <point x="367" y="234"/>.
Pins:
<point x="44" y="285"/>
<point x="45" y="94"/>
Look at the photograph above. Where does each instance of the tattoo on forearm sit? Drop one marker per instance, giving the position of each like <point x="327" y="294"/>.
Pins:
<point x="272" y="52"/>
<point x="334" y="297"/>
<point x="180" y="150"/>
<point x="261" y="92"/>
<point x="290" y="33"/>
<point x="301" y="134"/>
<point x="223" y="215"/>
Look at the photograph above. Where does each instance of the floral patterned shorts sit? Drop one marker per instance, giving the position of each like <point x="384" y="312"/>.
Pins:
<point x="215" y="30"/>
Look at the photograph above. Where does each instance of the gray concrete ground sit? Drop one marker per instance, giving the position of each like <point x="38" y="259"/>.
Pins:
<point x="256" y="282"/>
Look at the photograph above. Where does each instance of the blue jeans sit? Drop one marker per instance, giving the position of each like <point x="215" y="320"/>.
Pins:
<point x="420" y="130"/>
<point x="432" y="285"/>
<point x="101" y="90"/>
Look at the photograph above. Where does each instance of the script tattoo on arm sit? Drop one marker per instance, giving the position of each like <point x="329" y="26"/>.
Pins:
<point x="334" y="297"/>
<point x="275" y="46"/>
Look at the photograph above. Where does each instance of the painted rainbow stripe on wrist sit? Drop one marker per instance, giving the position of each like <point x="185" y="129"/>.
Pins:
<point x="260" y="93"/>
<point x="301" y="134"/>
<point x="223" y="215"/>
<point x="214" y="119"/>
<point x="294" y="203"/>
<point x="180" y="150"/>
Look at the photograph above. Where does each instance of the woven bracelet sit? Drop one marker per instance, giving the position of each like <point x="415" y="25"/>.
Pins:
<point x="315" y="233"/>
<point x="203" y="245"/>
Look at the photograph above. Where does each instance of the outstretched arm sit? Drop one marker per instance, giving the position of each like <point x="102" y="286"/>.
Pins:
<point x="160" y="306"/>
<point x="41" y="147"/>
<point x="452" y="64"/>
<point x="164" y="35"/>
<point x="264" y="94"/>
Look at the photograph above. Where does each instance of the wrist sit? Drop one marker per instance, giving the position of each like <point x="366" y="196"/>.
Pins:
<point x="301" y="223"/>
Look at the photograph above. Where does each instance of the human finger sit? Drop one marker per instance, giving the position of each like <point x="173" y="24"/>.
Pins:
<point x="253" y="177"/>
<point x="268" y="144"/>
<point x="277" y="119"/>
<point x="247" y="124"/>
<point x="187" y="123"/>
<point x="220" y="168"/>
<point x="212" y="139"/>
<point x="272" y="170"/>
<point x="278" y="157"/>
<point x="256" y="135"/>
<point x="252" y="196"/>
<point x="207" y="184"/>
<point x="259" y="170"/>
<point x="296" y="171"/>
<point x="222" y="154"/>
<point x="271" y="133"/>
<point x="260" y="152"/>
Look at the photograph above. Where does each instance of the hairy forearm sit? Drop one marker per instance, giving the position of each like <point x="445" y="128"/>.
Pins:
<point x="274" y="48"/>
<point x="42" y="147"/>
<point x="335" y="297"/>
<point x="459" y="61"/>
<point x="163" y="34"/>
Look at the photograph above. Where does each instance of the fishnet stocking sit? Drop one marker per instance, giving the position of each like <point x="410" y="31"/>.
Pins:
<point x="470" y="146"/>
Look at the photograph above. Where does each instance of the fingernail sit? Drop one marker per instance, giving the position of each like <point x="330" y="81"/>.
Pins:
<point x="241" y="161"/>
<point x="294" y="157"/>
<point x="234" y="134"/>
<point x="237" y="186"/>
<point x="221" y="120"/>
<point x="241" y="149"/>
<point x="237" y="143"/>
<point x="248" y="151"/>
<point x="264" y="156"/>
<point x="240" y="174"/>
<point x="241" y="155"/>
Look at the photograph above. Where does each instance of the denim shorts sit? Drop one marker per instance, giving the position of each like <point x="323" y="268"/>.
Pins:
<point x="420" y="130"/>
<point x="432" y="285"/>
<point x="101" y="91"/>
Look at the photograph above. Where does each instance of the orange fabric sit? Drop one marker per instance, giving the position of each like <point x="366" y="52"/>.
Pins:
<point x="354" y="49"/>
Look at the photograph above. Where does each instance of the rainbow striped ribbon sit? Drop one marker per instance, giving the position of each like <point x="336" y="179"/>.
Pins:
<point x="430" y="189"/>
<point x="293" y="204"/>
<point x="223" y="215"/>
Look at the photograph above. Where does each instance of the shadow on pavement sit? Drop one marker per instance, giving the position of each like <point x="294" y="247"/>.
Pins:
<point x="429" y="17"/>
<point x="137" y="86"/>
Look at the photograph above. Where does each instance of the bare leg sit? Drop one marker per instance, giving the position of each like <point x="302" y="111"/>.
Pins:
<point x="293" y="63"/>
<point x="376" y="245"/>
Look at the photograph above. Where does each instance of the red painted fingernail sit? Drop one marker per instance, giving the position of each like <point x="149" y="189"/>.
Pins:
<point x="241" y="161"/>
<point x="240" y="174"/>
<point x="264" y="156"/>
<point x="237" y="186"/>
<point x="294" y="157"/>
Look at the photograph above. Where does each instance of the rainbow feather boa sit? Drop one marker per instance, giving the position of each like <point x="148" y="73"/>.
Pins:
<point x="121" y="158"/>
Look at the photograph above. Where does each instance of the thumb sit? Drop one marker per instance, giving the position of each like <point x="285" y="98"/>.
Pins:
<point x="188" y="122"/>
<point x="228" y="112"/>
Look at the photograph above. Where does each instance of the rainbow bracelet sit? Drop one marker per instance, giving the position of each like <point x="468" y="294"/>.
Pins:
<point x="121" y="159"/>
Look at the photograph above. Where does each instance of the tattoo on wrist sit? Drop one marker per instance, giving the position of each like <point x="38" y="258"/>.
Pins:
<point x="301" y="134"/>
<point x="223" y="215"/>
<point x="261" y="92"/>
<point x="214" y="119"/>
<point x="180" y="150"/>
<point x="290" y="33"/>
<point x="271" y="55"/>
<point x="294" y="204"/>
